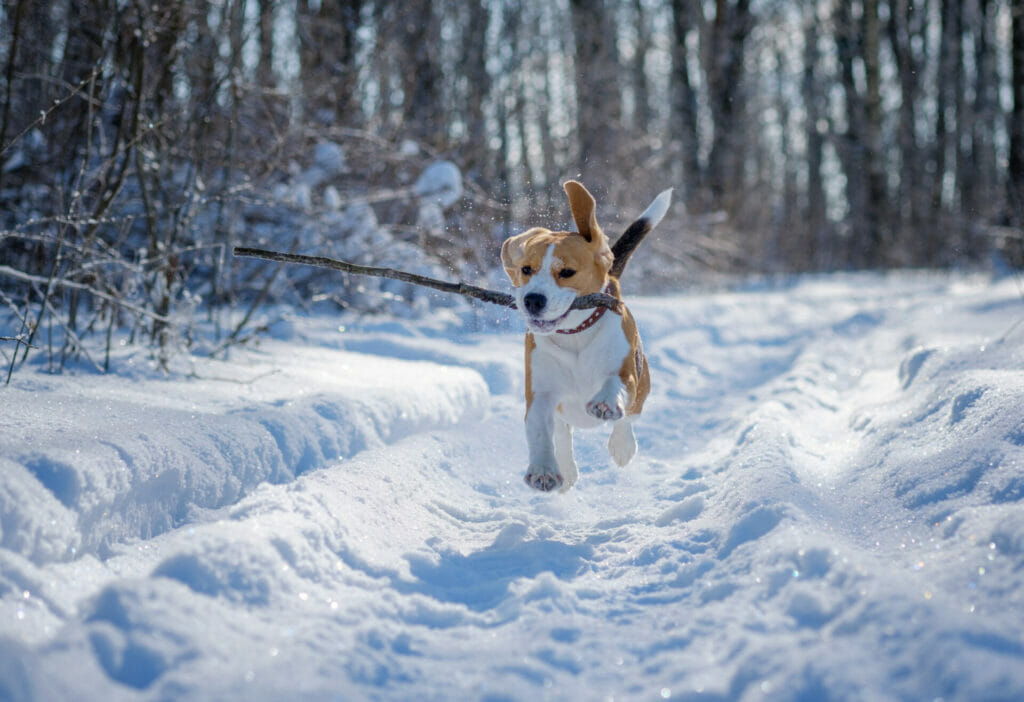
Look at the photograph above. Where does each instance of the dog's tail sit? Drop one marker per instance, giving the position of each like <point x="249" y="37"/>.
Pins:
<point x="635" y="232"/>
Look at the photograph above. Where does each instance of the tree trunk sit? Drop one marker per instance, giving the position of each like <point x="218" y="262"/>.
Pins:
<point x="552" y="164"/>
<point x="725" y="56"/>
<point x="789" y="249"/>
<point x="1015" y="173"/>
<point x="949" y="61"/>
<point x="475" y="153"/>
<point x="850" y="146"/>
<point x="984" y="195"/>
<point x="327" y="52"/>
<point x="265" y="70"/>
<point x="598" y="95"/>
<point x="423" y="112"/>
<point x="642" y="116"/>
<point x="961" y="239"/>
<point x="877" y="196"/>
<point x="904" y="27"/>
<point x="83" y="49"/>
<point x="814" y="111"/>
<point x="683" y="116"/>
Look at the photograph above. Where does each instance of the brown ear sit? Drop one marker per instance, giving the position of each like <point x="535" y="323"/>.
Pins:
<point x="583" y="207"/>
<point x="511" y="249"/>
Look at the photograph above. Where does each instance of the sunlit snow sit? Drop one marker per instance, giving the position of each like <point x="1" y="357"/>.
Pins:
<point x="828" y="503"/>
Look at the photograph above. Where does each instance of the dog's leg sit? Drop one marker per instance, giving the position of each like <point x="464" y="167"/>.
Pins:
<point x="622" y="442"/>
<point x="610" y="401"/>
<point x="543" y="473"/>
<point x="563" y="455"/>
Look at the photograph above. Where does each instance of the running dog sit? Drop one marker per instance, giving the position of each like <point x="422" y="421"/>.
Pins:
<point x="583" y="367"/>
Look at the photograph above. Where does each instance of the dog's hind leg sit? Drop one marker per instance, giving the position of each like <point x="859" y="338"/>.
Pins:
<point x="622" y="442"/>
<point x="563" y="454"/>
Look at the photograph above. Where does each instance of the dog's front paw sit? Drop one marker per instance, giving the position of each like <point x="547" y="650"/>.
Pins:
<point x="543" y="479"/>
<point x="604" y="411"/>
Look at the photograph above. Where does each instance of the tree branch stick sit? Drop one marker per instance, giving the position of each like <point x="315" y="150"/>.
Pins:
<point x="460" y="288"/>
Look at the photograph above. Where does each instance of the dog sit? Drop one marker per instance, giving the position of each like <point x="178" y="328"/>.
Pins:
<point x="584" y="367"/>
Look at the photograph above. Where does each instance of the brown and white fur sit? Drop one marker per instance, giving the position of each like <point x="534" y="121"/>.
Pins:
<point x="580" y="371"/>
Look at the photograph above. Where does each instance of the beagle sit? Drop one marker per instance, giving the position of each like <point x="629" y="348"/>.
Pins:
<point x="583" y="367"/>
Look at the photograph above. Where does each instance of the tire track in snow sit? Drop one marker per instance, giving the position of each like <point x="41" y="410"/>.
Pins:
<point x="796" y="430"/>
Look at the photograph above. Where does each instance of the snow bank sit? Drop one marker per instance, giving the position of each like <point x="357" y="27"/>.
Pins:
<point x="827" y="505"/>
<point x="99" y="462"/>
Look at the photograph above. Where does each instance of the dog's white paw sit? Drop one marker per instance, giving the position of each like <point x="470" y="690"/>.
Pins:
<point x="543" y="479"/>
<point x="604" y="410"/>
<point x="622" y="444"/>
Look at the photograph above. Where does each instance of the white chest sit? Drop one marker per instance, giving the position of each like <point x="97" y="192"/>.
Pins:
<point x="572" y="367"/>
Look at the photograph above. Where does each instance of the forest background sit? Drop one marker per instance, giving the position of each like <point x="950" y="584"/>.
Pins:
<point x="140" y="141"/>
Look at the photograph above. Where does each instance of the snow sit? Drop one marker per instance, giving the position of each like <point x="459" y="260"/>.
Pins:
<point x="827" y="505"/>
<point x="328" y="162"/>
<point x="440" y="183"/>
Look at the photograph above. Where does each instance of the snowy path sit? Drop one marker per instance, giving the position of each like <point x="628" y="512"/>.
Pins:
<point x="827" y="505"/>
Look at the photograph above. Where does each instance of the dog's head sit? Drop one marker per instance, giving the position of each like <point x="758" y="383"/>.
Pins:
<point x="551" y="269"/>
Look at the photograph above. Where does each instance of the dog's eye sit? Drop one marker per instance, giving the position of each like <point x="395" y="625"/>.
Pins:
<point x="526" y="270"/>
<point x="566" y="273"/>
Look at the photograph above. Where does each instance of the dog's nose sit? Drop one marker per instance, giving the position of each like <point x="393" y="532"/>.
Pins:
<point x="534" y="302"/>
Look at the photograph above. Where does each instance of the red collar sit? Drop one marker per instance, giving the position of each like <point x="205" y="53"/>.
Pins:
<point x="589" y="321"/>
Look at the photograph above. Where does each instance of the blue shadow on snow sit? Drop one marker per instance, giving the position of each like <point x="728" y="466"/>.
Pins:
<point x="480" y="580"/>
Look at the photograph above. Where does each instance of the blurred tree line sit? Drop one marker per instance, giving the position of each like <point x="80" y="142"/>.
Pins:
<point x="824" y="133"/>
<point x="136" y="137"/>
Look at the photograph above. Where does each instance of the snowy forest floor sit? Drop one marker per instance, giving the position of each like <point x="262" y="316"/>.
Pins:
<point x="828" y="504"/>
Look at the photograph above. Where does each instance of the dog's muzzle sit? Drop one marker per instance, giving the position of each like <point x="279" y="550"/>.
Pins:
<point x="534" y="303"/>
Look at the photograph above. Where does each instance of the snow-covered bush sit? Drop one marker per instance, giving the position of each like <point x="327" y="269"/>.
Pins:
<point x="159" y="263"/>
<point x="440" y="183"/>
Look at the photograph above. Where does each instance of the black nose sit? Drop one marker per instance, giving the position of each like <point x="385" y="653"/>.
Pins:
<point x="534" y="302"/>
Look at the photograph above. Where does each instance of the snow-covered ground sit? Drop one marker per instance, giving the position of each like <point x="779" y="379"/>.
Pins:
<point x="828" y="505"/>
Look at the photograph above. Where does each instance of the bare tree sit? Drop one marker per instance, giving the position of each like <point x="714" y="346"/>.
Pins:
<point x="814" y="131"/>
<point x="876" y="214"/>
<point x="724" y="52"/>
<point x="906" y="27"/>
<point x="328" y="44"/>
<point x="683" y="99"/>
<point x="137" y="139"/>
<point x="475" y="154"/>
<point x="598" y="87"/>
<point x="1015" y="175"/>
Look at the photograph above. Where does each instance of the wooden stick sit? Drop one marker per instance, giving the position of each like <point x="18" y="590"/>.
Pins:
<point x="460" y="288"/>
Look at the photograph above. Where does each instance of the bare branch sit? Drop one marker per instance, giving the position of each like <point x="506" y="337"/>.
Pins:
<point x="460" y="288"/>
<point x="63" y="283"/>
<point x="74" y="91"/>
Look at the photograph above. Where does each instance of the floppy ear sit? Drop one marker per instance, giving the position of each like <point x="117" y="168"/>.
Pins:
<point x="512" y="252"/>
<point x="511" y="249"/>
<point x="583" y="207"/>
